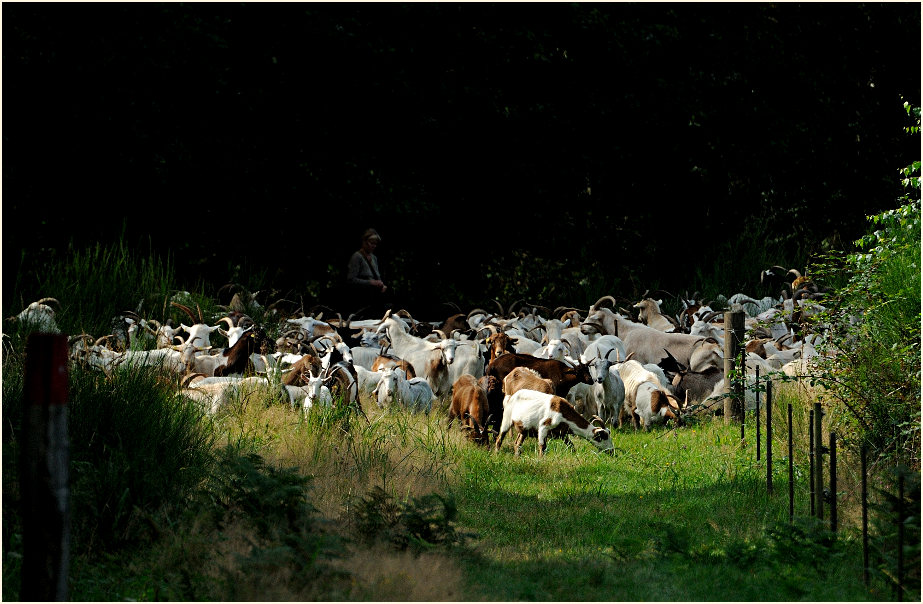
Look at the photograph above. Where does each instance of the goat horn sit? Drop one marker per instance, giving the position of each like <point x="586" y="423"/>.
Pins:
<point x="227" y="320"/>
<point x="441" y="334"/>
<point x="709" y="317"/>
<point x="99" y="341"/>
<point x="47" y="300"/>
<point x="500" y="306"/>
<point x="476" y="311"/>
<point x="185" y="309"/>
<point x="186" y="380"/>
<point x="601" y="300"/>
<point x="512" y="308"/>
<point x="599" y="419"/>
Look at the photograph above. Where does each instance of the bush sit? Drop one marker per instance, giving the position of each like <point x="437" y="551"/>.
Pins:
<point x="873" y="324"/>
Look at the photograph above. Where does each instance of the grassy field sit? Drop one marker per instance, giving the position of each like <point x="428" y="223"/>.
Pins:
<point x="672" y="515"/>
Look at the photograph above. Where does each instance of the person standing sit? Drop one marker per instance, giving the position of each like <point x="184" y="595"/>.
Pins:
<point x="363" y="275"/>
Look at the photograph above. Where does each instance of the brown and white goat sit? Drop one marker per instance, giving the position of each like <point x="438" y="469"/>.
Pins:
<point x="562" y="375"/>
<point x="532" y="410"/>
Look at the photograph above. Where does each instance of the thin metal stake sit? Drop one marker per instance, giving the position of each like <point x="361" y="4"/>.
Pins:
<point x="833" y="482"/>
<point x="819" y="461"/>
<point x="811" y="456"/>
<point x="900" y="538"/>
<point x="791" y="470"/>
<point x="757" y="414"/>
<point x="865" y="516"/>
<point x="769" y="438"/>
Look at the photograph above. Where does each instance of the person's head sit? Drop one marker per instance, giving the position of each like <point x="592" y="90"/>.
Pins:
<point x="370" y="239"/>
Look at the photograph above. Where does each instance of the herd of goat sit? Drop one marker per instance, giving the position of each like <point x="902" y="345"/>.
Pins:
<point x="545" y="372"/>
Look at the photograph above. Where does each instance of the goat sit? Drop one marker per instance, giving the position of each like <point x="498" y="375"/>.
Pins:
<point x="39" y="316"/>
<point x="498" y="343"/>
<point x="649" y="314"/>
<point x="543" y="412"/>
<point x="301" y="370"/>
<point x="216" y="394"/>
<point x="645" y="398"/>
<point x="525" y="378"/>
<point x="415" y="394"/>
<point x="430" y="360"/>
<point x="469" y="404"/>
<point x="367" y="379"/>
<point x="199" y="334"/>
<point x="561" y="374"/>
<point x="384" y="361"/>
<point x="646" y="342"/>
<point x="692" y="387"/>
<point x="238" y="324"/>
<point x="237" y="358"/>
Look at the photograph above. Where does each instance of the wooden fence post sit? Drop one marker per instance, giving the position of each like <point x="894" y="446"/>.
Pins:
<point x="733" y="337"/>
<point x="44" y="470"/>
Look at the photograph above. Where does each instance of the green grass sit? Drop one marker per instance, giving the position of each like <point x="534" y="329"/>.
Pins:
<point x="674" y="515"/>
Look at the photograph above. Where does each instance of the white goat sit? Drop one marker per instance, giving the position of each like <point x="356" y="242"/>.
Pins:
<point x="415" y="394"/>
<point x="39" y="316"/>
<point x="430" y="360"/>
<point x="532" y="410"/>
<point x="645" y="398"/>
<point x="368" y="380"/>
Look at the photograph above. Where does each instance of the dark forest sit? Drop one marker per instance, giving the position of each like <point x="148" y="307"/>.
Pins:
<point x="550" y="151"/>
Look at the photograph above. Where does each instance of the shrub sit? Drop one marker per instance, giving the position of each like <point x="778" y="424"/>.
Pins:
<point x="873" y="324"/>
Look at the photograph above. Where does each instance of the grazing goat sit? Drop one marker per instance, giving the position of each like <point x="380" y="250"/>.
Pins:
<point x="469" y="404"/>
<point x="415" y="394"/>
<point x="543" y="412"/>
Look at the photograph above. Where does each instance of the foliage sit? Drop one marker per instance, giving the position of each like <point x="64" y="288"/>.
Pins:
<point x="418" y="523"/>
<point x="137" y="450"/>
<point x="874" y="324"/>
<point x="894" y="514"/>
<point x="602" y="132"/>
